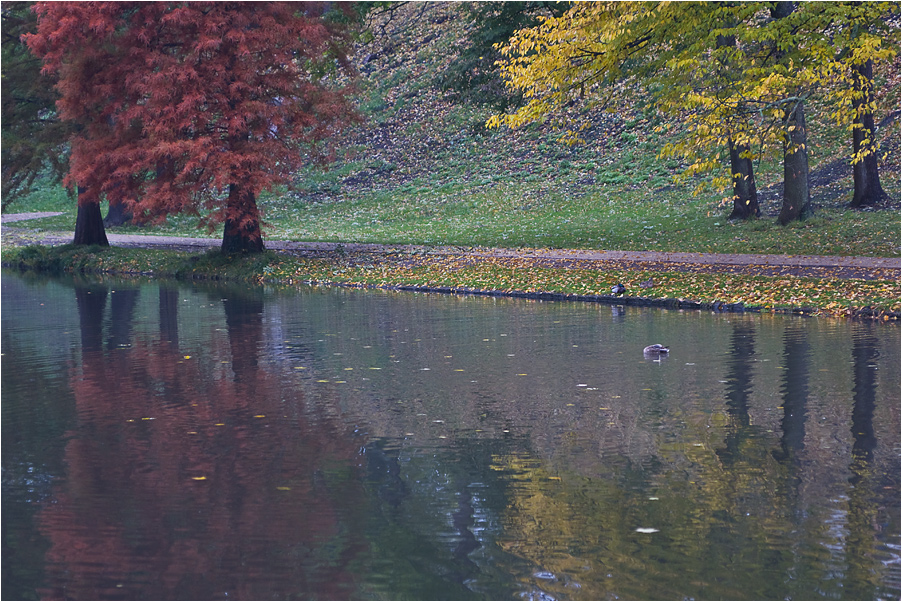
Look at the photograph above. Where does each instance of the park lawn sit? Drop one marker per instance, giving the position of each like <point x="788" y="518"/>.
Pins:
<point x="511" y="214"/>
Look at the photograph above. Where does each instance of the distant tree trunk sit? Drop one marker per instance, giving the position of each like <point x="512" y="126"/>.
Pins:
<point x="745" y="194"/>
<point x="241" y="233"/>
<point x="796" y="193"/>
<point x="866" y="178"/>
<point x="117" y="214"/>
<point x="89" y="223"/>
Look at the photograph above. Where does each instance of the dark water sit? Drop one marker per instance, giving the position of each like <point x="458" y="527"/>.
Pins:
<point x="198" y="442"/>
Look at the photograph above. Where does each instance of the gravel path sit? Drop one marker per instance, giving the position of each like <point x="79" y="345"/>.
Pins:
<point x="868" y="268"/>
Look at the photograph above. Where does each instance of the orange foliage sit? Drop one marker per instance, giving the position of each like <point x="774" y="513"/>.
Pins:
<point x="177" y="103"/>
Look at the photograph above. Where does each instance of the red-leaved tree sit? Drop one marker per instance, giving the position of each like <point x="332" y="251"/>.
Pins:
<point x="192" y="107"/>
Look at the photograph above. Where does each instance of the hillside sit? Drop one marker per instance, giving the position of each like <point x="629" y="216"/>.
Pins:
<point x="416" y="136"/>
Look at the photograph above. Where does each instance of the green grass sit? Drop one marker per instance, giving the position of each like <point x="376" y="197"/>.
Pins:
<point x="506" y="213"/>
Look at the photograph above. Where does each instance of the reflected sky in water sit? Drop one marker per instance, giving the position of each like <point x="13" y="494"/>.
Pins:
<point x="177" y="441"/>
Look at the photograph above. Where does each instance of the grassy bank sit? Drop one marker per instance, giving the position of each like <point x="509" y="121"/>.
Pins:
<point x="500" y="276"/>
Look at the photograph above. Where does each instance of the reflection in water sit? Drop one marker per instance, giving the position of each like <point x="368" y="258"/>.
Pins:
<point x="864" y="358"/>
<point x="739" y="389"/>
<point x="863" y="517"/>
<point x="168" y="312"/>
<point x="795" y="393"/>
<point x="213" y="443"/>
<point x="182" y="484"/>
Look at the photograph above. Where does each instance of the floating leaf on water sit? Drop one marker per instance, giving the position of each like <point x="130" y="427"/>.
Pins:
<point x="284" y="488"/>
<point x="260" y="416"/>
<point x="646" y="530"/>
<point x="187" y="357"/>
<point x="198" y="478"/>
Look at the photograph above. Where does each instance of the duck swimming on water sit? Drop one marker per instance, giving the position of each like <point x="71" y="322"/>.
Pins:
<point x="656" y="349"/>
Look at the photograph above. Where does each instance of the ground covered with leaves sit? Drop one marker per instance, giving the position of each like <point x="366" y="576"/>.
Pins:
<point x="871" y="294"/>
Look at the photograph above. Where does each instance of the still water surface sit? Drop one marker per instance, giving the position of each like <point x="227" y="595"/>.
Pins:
<point x="176" y="441"/>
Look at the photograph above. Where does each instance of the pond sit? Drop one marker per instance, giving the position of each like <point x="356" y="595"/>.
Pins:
<point x="192" y="441"/>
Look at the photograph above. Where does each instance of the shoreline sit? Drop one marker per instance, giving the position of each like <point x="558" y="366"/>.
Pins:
<point x="527" y="274"/>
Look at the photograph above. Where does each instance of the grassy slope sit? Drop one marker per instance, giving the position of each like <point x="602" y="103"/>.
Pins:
<point x="423" y="170"/>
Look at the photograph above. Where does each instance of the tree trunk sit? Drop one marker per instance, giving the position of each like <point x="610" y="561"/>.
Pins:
<point x="89" y="223"/>
<point x="745" y="194"/>
<point x="796" y="193"/>
<point x="864" y="171"/>
<point x="241" y="233"/>
<point x="117" y="215"/>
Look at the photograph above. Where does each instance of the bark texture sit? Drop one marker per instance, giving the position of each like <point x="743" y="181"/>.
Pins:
<point x="796" y="191"/>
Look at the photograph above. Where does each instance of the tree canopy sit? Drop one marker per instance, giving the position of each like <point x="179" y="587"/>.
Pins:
<point x="34" y="139"/>
<point x="194" y="107"/>
<point x="729" y="75"/>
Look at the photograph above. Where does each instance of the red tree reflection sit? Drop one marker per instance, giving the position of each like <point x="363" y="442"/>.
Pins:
<point x="199" y="477"/>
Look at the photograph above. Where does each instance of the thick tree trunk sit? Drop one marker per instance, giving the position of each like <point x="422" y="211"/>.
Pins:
<point x="796" y="193"/>
<point x="241" y="233"/>
<point x="866" y="178"/>
<point x="745" y="194"/>
<point x="89" y="223"/>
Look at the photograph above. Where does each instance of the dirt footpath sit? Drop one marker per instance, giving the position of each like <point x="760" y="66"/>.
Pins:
<point x="815" y="266"/>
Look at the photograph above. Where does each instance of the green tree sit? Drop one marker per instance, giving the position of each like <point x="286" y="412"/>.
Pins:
<point x="33" y="137"/>
<point x="472" y="76"/>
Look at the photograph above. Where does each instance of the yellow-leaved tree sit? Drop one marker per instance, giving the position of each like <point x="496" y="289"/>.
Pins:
<point x="733" y="78"/>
